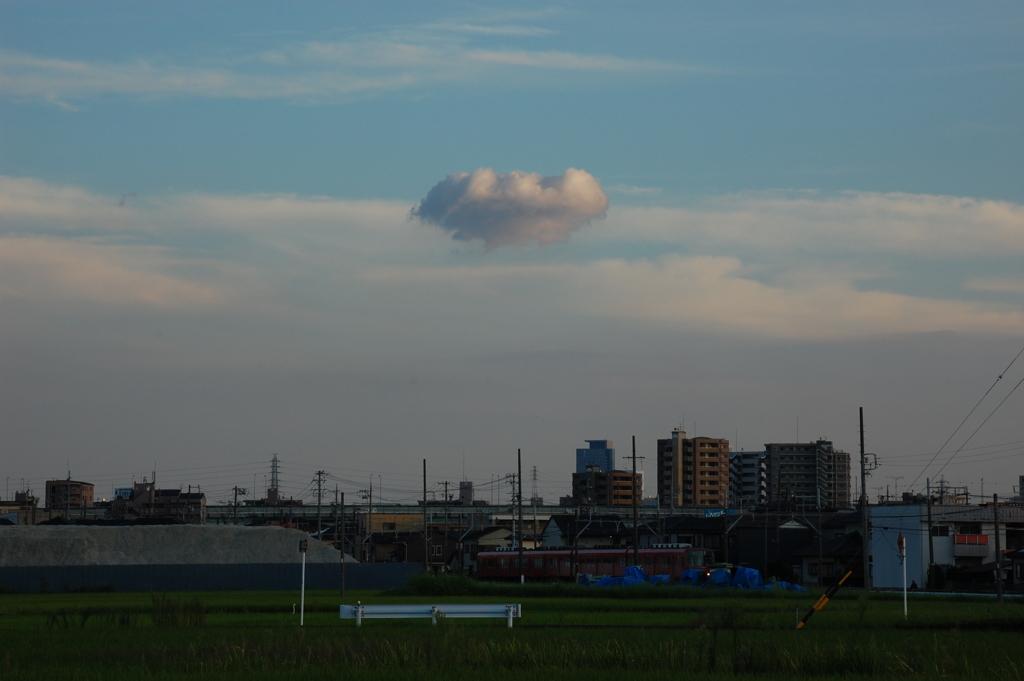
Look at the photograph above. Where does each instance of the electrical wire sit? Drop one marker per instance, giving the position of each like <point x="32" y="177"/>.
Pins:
<point x="979" y="427"/>
<point x="998" y="378"/>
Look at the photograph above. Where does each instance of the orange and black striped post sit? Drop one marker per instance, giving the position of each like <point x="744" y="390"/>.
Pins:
<point x="823" y="601"/>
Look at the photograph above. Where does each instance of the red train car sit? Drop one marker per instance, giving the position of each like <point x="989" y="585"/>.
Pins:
<point x="566" y="563"/>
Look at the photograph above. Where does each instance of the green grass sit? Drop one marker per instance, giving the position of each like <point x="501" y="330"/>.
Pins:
<point x="565" y="633"/>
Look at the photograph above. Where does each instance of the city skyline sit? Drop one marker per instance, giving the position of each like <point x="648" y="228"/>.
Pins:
<point x="364" y="236"/>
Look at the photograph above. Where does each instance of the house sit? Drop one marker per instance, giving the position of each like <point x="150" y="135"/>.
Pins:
<point x="820" y="566"/>
<point x="961" y="542"/>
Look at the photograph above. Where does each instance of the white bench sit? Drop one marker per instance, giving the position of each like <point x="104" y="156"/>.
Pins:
<point x="359" y="611"/>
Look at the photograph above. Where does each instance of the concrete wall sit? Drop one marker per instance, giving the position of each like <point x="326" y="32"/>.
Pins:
<point x="247" y="577"/>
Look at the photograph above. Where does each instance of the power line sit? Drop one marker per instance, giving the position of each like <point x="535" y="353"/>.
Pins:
<point x="979" y="427"/>
<point x="998" y="378"/>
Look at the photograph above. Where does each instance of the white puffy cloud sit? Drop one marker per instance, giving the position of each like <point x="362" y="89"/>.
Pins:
<point x="513" y="208"/>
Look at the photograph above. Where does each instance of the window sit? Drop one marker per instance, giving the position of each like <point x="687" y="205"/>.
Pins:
<point x="940" y="531"/>
<point x="538" y="562"/>
<point x="606" y="562"/>
<point x="553" y="563"/>
<point x="504" y="562"/>
<point x="590" y="561"/>
<point x="436" y="549"/>
<point x="622" y="561"/>
<point x="489" y="563"/>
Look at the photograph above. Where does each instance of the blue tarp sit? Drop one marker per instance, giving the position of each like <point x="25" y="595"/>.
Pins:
<point x="693" y="577"/>
<point x="633" y="576"/>
<point x="720" y="578"/>
<point x="784" y="586"/>
<point x="741" y="578"/>
<point x="747" y="578"/>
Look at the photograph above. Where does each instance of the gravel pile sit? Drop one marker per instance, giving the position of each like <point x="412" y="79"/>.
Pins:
<point x="23" y="545"/>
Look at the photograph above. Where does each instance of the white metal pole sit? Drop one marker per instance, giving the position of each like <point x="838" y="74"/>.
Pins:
<point x="302" y="598"/>
<point x="901" y="544"/>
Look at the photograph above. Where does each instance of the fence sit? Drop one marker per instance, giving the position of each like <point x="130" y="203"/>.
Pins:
<point x="247" y="577"/>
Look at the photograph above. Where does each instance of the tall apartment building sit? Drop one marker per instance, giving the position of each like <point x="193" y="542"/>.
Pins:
<point x="600" y="453"/>
<point x="693" y="471"/>
<point x="606" y="488"/>
<point x="807" y="475"/>
<point x="748" y="479"/>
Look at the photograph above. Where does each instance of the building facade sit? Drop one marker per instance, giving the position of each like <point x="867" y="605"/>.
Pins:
<point x="807" y="475"/>
<point x="748" y="480"/>
<point x="71" y="494"/>
<point x="595" y="487"/>
<point x="600" y="453"/>
<point x="693" y="471"/>
<point x="146" y="501"/>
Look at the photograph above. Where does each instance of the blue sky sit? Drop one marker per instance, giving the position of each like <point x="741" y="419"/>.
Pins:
<point x="787" y="211"/>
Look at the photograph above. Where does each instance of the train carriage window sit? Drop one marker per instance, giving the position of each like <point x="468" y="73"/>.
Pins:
<point x="648" y="561"/>
<point x="665" y="561"/>
<point x="489" y="562"/>
<point x="553" y="563"/>
<point x="504" y="562"/>
<point x="622" y="561"/>
<point x="590" y="561"/>
<point x="695" y="558"/>
<point x="538" y="562"/>
<point x="606" y="562"/>
<point x="566" y="563"/>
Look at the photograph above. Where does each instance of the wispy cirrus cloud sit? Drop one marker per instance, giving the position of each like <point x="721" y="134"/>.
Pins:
<point x="362" y="65"/>
<point x="853" y="224"/>
<point x="1001" y="285"/>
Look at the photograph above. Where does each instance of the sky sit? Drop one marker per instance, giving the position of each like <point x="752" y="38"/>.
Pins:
<point x="361" y="235"/>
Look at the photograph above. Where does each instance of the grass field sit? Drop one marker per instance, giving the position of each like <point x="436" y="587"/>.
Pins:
<point x="565" y="633"/>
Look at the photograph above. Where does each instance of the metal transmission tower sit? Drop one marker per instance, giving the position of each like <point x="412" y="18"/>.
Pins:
<point x="274" y="471"/>
<point x="533" y="493"/>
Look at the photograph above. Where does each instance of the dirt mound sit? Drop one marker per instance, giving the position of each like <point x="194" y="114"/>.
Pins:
<point x="156" y="545"/>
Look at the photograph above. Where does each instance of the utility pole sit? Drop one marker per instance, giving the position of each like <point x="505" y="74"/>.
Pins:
<point x="343" y="545"/>
<point x="319" y="495"/>
<point x="237" y="490"/>
<point x="931" y="541"/>
<point x="999" y="552"/>
<point x="369" y="523"/>
<point x="519" y="479"/>
<point x="336" y="514"/>
<point x="821" y="552"/>
<point x="866" y="550"/>
<point x="426" y="533"/>
<point x="636" y="517"/>
<point x="444" y="558"/>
